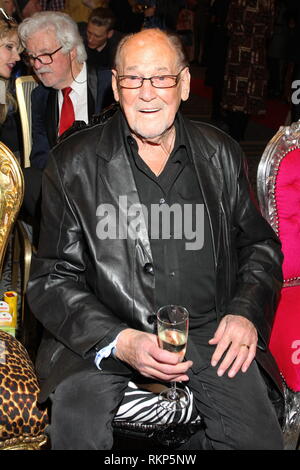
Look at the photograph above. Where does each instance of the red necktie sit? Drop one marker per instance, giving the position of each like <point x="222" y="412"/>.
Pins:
<point x="67" y="116"/>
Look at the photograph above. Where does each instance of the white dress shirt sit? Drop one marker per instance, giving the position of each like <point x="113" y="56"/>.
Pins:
<point x="78" y="95"/>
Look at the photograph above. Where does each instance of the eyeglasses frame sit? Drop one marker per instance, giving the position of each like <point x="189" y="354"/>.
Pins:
<point x="32" y="58"/>
<point x="150" y="78"/>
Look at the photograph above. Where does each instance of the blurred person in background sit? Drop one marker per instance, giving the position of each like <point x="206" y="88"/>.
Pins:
<point x="70" y="90"/>
<point x="250" y="26"/>
<point x="10" y="48"/>
<point x="77" y="9"/>
<point x="9" y="6"/>
<point x="201" y="20"/>
<point x="293" y="74"/>
<point x="278" y="50"/>
<point x="100" y="37"/>
<point x="54" y="5"/>
<point x="216" y="50"/>
<point x="162" y="14"/>
<point x="128" y="19"/>
<point x="185" y="26"/>
<point x="26" y="8"/>
<point x="92" y="4"/>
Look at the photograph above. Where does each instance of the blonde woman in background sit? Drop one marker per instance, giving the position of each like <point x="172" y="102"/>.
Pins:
<point x="10" y="49"/>
<point x="9" y="6"/>
<point x="92" y="4"/>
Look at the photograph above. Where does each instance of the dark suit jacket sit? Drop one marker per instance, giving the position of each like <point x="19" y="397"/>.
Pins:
<point x="104" y="58"/>
<point x="45" y="116"/>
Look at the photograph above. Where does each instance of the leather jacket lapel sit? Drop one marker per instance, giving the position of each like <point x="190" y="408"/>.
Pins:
<point x="122" y="187"/>
<point x="209" y="179"/>
<point x="209" y="176"/>
<point x="118" y="187"/>
<point x="92" y="87"/>
<point x="123" y="193"/>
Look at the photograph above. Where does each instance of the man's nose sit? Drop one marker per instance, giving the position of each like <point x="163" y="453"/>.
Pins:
<point x="147" y="91"/>
<point x="37" y="64"/>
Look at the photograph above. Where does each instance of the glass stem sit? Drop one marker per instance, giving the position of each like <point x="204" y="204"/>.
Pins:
<point x="173" y="391"/>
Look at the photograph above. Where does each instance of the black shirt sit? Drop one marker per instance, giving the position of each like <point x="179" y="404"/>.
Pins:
<point x="105" y="57"/>
<point x="182" y="276"/>
<point x="97" y="58"/>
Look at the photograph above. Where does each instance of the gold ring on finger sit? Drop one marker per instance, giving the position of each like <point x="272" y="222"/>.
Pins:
<point x="245" y="345"/>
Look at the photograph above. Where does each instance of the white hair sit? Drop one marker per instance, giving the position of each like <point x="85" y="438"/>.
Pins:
<point x="65" y="29"/>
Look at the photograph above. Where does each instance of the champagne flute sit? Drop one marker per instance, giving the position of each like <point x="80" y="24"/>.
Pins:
<point x="172" y="331"/>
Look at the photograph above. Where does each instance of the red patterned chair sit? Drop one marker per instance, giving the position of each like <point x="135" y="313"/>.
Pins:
<point x="278" y="187"/>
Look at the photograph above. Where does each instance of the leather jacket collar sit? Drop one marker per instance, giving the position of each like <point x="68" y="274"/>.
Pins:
<point x="111" y="148"/>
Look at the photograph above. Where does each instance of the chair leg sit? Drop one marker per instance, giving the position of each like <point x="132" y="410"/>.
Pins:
<point x="291" y="429"/>
<point x="15" y="268"/>
<point x="20" y="270"/>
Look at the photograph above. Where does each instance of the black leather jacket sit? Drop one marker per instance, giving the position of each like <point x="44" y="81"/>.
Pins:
<point x="85" y="290"/>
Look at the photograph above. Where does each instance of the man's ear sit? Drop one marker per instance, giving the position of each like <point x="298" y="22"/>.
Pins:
<point x="114" y="85"/>
<point x="185" y="84"/>
<point x="73" y="54"/>
<point x="110" y="33"/>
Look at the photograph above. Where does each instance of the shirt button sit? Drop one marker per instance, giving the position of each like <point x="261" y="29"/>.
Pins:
<point x="162" y="201"/>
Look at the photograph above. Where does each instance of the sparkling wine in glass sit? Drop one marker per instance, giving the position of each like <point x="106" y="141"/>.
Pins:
<point x="172" y="331"/>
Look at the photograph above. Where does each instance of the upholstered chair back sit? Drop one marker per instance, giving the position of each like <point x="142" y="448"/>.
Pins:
<point x="278" y="186"/>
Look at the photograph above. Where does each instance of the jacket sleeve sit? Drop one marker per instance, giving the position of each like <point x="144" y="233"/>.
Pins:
<point x="40" y="144"/>
<point x="258" y="258"/>
<point x="105" y="95"/>
<point x="58" y="292"/>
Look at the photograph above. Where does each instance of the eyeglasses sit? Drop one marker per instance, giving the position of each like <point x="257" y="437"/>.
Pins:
<point x="44" y="59"/>
<point x="157" y="81"/>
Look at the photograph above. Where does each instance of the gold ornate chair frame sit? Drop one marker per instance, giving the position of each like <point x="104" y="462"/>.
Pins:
<point x="22" y="423"/>
<point x="11" y="198"/>
<point x="24" y="87"/>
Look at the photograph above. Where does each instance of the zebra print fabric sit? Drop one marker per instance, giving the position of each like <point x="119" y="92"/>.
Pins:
<point x="141" y="405"/>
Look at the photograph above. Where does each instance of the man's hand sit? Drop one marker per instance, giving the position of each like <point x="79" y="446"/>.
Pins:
<point x="142" y="352"/>
<point x="238" y="336"/>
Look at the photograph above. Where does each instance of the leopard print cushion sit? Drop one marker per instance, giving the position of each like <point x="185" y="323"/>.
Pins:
<point x="20" y="415"/>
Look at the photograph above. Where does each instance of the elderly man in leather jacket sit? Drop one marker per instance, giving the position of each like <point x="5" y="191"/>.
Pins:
<point x="105" y="264"/>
